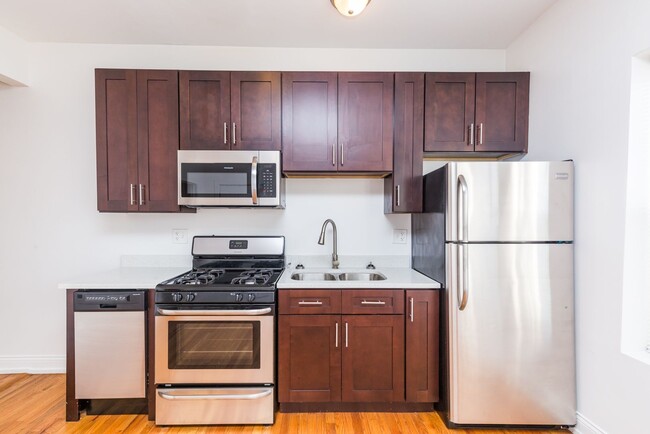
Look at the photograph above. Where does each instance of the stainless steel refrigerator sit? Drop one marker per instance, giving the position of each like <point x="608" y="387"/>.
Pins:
<point x="499" y="237"/>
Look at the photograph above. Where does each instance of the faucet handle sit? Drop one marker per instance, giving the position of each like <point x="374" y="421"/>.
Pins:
<point x="370" y="266"/>
<point x="300" y="267"/>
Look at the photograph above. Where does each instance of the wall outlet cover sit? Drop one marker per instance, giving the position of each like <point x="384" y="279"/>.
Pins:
<point x="179" y="236"/>
<point x="399" y="236"/>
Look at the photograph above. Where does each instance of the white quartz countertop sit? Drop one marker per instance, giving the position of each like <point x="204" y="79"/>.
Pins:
<point x="396" y="278"/>
<point x="123" y="278"/>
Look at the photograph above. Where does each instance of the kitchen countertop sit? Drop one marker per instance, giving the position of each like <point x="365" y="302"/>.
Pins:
<point x="149" y="277"/>
<point x="396" y="278"/>
<point x="123" y="278"/>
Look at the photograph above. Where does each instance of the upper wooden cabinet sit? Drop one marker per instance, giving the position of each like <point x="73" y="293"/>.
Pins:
<point x="476" y="112"/>
<point x="403" y="189"/>
<point x="337" y="122"/>
<point x="229" y="110"/>
<point x="137" y="140"/>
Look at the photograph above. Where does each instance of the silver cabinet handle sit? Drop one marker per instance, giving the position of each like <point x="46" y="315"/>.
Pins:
<point x="480" y="133"/>
<point x="336" y="336"/>
<point x="171" y="395"/>
<point x="312" y="303"/>
<point x="141" y="195"/>
<point x="210" y="312"/>
<point x="346" y="334"/>
<point x="225" y="133"/>
<point x="254" y="180"/>
<point x="234" y="134"/>
<point x="471" y="135"/>
<point x="334" y="154"/>
<point x="342" y="149"/>
<point x="411" y="313"/>
<point x="397" y="200"/>
<point x="132" y="195"/>
<point x="378" y="302"/>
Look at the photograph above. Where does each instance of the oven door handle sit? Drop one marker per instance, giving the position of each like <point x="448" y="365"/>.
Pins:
<point x="168" y="395"/>
<point x="213" y="312"/>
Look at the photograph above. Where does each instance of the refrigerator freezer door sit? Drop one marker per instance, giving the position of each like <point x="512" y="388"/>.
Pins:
<point x="512" y="358"/>
<point x="510" y="201"/>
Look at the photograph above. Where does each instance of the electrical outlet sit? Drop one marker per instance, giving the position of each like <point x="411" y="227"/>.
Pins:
<point x="179" y="236"/>
<point x="399" y="236"/>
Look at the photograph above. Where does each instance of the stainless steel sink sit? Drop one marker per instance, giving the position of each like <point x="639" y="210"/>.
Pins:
<point x="361" y="276"/>
<point x="313" y="276"/>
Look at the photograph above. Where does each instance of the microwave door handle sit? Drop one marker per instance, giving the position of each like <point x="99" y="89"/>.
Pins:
<point x="254" y="180"/>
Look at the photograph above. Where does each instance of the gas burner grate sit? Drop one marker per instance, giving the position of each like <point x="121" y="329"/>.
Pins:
<point x="199" y="277"/>
<point x="253" y="277"/>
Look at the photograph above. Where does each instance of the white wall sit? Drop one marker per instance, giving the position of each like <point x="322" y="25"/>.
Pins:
<point x="51" y="230"/>
<point x="13" y="59"/>
<point x="579" y="54"/>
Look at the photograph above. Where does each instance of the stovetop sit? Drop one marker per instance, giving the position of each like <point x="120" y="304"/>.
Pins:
<point x="215" y="279"/>
<point x="227" y="270"/>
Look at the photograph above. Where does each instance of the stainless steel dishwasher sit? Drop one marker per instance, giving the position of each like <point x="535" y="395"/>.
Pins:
<point x="109" y="339"/>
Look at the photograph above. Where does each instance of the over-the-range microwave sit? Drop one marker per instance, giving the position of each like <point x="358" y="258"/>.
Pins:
<point x="230" y="179"/>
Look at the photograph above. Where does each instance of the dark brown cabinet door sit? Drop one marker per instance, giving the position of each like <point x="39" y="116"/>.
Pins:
<point x="255" y="110"/>
<point x="403" y="189"/>
<point x="422" y="345"/>
<point x="204" y="98"/>
<point x="137" y="140"/>
<point x="309" y="109"/>
<point x="365" y="121"/>
<point x="502" y="111"/>
<point x="117" y="141"/>
<point x="309" y="358"/>
<point x="449" y="112"/>
<point x="373" y="358"/>
<point x="157" y="140"/>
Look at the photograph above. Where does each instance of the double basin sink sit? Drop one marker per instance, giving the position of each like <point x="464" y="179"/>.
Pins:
<point x="313" y="276"/>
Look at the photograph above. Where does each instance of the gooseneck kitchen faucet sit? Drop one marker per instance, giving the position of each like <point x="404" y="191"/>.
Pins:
<point x="321" y="241"/>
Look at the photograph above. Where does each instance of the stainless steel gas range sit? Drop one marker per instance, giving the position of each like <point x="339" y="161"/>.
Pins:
<point x="215" y="334"/>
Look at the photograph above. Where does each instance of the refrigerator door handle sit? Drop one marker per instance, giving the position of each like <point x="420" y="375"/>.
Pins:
<point x="462" y="225"/>
<point x="461" y="289"/>
<point x="461" y="205"/>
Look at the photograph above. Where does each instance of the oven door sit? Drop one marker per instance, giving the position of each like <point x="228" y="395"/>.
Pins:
<point x="215" y="345"/>
<point x="228" y="178"/>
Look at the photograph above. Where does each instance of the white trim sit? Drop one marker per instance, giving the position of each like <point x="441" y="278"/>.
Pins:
<point x="32" y="364"/>
<point x="585" y="426"/>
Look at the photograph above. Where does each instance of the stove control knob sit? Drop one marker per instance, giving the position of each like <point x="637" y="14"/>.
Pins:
<point x="190" y="297"/>
<point x="177" y="297"/>
<point x="251" y="296"/>
<point x="239" y="296"/>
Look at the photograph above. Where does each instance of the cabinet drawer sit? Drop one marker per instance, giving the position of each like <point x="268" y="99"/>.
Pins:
<point x="372" y="301"/>
<point x="309" y="301"/>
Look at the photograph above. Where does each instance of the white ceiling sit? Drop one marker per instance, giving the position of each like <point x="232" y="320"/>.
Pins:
<point x="453" y="24"/>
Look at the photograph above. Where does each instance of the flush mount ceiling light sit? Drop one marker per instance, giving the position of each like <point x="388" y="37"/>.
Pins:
<point x="350" y="8"/>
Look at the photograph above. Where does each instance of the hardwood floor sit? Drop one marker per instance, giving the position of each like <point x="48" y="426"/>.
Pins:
<point x="36" y="404"/>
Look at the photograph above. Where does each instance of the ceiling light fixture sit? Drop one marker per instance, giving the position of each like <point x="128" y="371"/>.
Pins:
<point x="350" y="8"/>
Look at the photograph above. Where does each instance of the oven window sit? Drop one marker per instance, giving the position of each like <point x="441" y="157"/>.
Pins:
<point x="214" y="345"/>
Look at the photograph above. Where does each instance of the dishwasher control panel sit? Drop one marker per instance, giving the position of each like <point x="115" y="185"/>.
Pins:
<point x="109" y="301"/>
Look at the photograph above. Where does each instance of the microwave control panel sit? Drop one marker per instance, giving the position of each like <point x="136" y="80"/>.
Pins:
<point x="266" y="180"/>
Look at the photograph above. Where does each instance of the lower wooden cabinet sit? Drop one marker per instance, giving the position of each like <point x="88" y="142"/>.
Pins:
<point x="332" y="351"/>
<point x="309" y="358"/>
<point x="422" y="344"/>
<point x="372" y="367"/>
